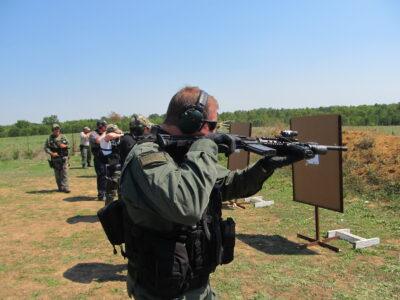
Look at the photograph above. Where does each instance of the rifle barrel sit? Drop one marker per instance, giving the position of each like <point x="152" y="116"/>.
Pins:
<point x="337" y="148"/>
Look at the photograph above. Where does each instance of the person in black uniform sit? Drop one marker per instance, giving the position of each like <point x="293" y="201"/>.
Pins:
<point x="138" y="126"/>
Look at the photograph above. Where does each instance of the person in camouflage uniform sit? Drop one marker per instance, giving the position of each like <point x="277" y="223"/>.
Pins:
<point x="56" y="146"/>
<point x="174" y="232"/>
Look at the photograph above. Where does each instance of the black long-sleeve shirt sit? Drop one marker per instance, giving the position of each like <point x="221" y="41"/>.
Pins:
<point x="125" y="146"/>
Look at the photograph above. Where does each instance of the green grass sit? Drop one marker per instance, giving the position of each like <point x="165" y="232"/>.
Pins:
<point x="27" y="147"/>
<point x="390" y="130"/>
<point x="348" y="275"/>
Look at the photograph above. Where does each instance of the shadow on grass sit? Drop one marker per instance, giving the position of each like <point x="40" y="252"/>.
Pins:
<point x="42" y="191"/>
<point x="86" y="176"/>
<point x="95" y="272"/>
<point x="80" y="198"/>
<point x="82" y="219"/>
<point x="274" y="244"/>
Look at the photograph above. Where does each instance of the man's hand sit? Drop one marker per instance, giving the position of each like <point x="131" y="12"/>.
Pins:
<point x="295" y="154"/>
<point x="63" y="146"/>
<point x="54" y="154"/>
<point x="226" y="142"/>
<point x="112" y="136"/>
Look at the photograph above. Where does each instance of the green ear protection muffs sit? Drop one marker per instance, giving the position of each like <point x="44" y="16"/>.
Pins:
<point x="193" y="119"/>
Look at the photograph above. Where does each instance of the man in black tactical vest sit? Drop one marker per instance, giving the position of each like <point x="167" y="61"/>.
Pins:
<point x="174" y="233"/>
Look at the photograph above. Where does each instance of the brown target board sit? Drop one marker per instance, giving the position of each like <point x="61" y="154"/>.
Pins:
<point x="319" y="181"/>
<point x="240" y="160"/>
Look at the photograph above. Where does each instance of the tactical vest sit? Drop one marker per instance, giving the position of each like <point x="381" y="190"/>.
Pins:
<point x="53" y="144"/>
<point x="113" y="157"/>
<point x="95" y="148"/>
<point x="169" y="264"/>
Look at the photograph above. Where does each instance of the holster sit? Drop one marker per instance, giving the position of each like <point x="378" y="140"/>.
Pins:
<point x="228" y="233"/>
<point x="51" y="165"/>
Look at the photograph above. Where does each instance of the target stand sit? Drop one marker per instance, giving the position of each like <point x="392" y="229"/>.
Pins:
<point x="317" y="241"/>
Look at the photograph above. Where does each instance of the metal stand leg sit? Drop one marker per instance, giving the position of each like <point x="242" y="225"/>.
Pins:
<point x="317" y="241"/>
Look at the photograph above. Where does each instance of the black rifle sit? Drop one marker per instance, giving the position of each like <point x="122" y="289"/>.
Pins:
<point x="265" y="146"/>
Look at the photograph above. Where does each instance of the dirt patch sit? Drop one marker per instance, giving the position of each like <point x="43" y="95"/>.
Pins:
<point x="372" y="157"/>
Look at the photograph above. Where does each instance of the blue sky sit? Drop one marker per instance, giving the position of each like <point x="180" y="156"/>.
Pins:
<point x="84" y="59"/>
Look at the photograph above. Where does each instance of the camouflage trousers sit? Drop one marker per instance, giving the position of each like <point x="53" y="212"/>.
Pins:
<point x="60" y="166"/>
<point x="113" y="174"/>
<point x="86" y="156"/>
<point x="138" y="293"/>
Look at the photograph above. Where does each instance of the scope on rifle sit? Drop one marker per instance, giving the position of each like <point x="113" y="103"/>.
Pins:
<point x="289" y="133"/>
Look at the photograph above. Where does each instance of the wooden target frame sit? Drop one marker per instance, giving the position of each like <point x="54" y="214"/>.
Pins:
<point x="240" y="160"/>
<point x="319" y="181"/>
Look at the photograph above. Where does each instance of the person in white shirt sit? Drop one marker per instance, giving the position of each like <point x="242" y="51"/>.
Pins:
<point x="109" y="146"/>
<point x="85" y="148"/>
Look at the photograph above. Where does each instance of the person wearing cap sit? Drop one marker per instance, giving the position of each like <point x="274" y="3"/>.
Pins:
<point x="138" y="126"/>
<point x="84" y="147"/>
<point x="109" y="146"/>
<point x="56" y="146"/>
<point x="99" y="165"/>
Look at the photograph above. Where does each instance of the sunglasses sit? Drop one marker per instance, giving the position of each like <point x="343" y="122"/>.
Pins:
<point x="211" y="124"/>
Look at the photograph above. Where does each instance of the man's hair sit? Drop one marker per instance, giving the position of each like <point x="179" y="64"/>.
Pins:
<point x="183" y="100"/>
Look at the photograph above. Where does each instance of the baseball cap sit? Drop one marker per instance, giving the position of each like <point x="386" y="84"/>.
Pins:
<point x="113" y="128"/>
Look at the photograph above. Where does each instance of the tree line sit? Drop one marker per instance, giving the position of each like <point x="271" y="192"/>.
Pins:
<point x="361" y="115"/>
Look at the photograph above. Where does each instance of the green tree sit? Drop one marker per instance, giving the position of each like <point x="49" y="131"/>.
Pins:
<point x="50" y="120"/>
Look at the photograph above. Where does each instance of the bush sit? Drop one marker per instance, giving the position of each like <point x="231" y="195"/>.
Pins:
<point x="365" y="143"/>
<point x="391" y="188"/>
<point x="15" y="154"/>
<point x="4" y="156"/>
<point x="28" y="154"/>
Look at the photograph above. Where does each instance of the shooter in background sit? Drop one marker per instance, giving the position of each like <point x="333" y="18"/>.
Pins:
<point x="56" y="146"/>
<point x="138" y="126"/>
<point x="85" y="148"/>
<point x="99" y="165"/>
<point x="109" y="146"/>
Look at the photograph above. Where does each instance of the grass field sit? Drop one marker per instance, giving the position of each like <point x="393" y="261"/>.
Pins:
<point x="29" y="146"/>
<point x="53" y="245"/>
<point x="391" y="130"/>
